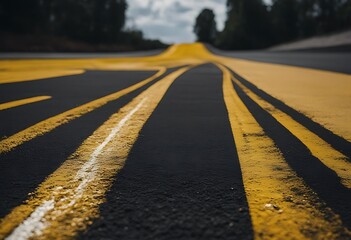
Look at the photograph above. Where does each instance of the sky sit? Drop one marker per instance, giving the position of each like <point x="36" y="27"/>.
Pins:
<point x="171" y="21"/>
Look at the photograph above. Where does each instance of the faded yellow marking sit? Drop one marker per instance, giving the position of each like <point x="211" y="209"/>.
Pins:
<point x="29" y="70"/>
<point x="323" y="96"/>
<point x="21" y="102"/>
<point x="281" y="205"/>
<point x="13" y="76"/>
<point x="49" y="124"/>
<point x="322" y="150"/>
<point x="66" y="208"/>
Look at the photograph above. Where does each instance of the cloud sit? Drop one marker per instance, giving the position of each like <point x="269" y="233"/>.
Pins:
<point x="178" y="7"/>
<point x="171" y="20"/>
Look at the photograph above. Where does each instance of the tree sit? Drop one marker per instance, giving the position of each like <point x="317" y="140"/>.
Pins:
<point x="88" y="20"/>
<point x="247" y="25"/>
<point x="285" y="18"/>
<point x="20" y="16"/>
<point x="329" y="16"/>
<point x="205" y="26"/>
<point x="251" y="24"/>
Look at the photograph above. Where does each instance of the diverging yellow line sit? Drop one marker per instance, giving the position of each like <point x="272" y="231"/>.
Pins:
<point x="31" y="72"/>
<point x="51" y="123"/>
<point x="322" y="150"/>
<point x="12" y="104"/>
<point x="68" y="200"/>
<point x="281" y="205"/>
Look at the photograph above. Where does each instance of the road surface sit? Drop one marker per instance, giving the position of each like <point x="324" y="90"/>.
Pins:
<point x="185" y="144"/>
<point x="337" y="60"/>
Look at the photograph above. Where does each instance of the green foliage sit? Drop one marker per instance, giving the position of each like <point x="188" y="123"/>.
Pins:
<point x="205" y="26"/>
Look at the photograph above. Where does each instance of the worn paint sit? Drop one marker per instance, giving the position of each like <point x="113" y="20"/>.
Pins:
<point x="17" y="103"/>
<point x="68" y="200"/>
<point x="322" y="150"/>
<point x="281" y="205"/>
<point x="323" y="96"/>
<point x="51" y="123"/>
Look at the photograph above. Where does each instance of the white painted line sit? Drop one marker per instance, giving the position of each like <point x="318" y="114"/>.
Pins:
<point x="36" y="223"/>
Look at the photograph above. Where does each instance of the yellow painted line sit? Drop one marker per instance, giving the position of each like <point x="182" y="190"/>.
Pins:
<point x="281" y="205"/>
<point x="24" y="75"/>
<point x="323" y="96"/>
<point x="68" y="200"/>
<point x="12" y="71"/>
<point x="322" y="150"/>
<point x="21" y="102"/>
<point x="51" y="123"/>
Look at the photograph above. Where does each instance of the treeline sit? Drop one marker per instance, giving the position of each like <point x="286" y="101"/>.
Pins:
<point x="91" y="21"/>
<point x="251" y="24"/>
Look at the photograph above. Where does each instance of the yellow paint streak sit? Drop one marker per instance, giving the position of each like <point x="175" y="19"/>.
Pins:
<point x="49" y="124"/>
<point x="323" y="96"/>
<point x="21" y="102"/>
<point x="322" y="150"/>
<point x="13" y="76"/>
<point x="12" y="71"/>
<point x="281" y="205"/>
<point x="66" y="219"/>
<point x="17" y="70"/>
<point x="193" y="51"/>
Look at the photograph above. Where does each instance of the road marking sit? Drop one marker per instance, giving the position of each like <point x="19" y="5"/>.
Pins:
<point x="34" y="224"/>
<point x="21" y="102"/>
<point x="13" y="71"/>
<point x="51" y="123"/>
<point x="323" y="96"/>
<point x="68" y="200"/>
<point x="31" y="74"/>
<point x="281" y="205"/>
<point x="322" y="150"/>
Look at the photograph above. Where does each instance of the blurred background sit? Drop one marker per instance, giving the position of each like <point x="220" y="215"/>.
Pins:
<point x="126" y="25"/>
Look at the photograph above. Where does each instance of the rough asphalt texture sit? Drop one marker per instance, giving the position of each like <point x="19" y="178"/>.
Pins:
<point x="67" y="92"/>
<point x="24" y="168"/>
<point x="182" y="179"/>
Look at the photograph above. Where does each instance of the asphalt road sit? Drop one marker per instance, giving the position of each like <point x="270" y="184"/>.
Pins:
<point x="180" y="145"/>
<point x="67" y="92"/>
<point x="337" y="61"/>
